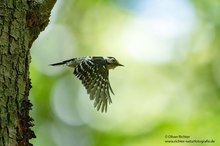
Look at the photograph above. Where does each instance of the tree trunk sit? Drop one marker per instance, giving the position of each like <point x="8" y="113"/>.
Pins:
<point x="21" y="21"/>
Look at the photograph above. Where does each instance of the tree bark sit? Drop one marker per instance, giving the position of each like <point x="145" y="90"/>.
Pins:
<point x="21" y="21"/>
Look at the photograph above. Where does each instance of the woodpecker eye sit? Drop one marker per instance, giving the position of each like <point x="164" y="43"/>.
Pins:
<point x="112" y="60"/>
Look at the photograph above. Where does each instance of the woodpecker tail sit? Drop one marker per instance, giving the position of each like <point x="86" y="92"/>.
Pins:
<point x="66" y="62"/>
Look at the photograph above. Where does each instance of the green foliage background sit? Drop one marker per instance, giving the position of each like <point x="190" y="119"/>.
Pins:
<point x="176" y="97"/>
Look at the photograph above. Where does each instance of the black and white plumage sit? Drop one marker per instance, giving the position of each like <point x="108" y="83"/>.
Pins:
<point x="94" y="74"/>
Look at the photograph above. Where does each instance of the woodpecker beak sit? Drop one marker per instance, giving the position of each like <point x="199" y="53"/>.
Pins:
<point x="120" y="64"/>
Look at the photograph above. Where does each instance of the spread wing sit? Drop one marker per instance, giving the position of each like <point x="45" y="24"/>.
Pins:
<point x="94" y="77"/>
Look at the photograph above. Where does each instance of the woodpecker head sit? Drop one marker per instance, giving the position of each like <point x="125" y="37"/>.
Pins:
<point x="112" y="62"/>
